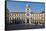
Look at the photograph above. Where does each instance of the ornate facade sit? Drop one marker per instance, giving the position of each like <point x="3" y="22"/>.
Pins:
<point x="27" y="16"/>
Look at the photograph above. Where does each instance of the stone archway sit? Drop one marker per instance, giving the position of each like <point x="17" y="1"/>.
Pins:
<point x="27" y="20"/>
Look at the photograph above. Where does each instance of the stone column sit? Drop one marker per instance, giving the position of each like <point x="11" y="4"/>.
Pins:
<point x="29" y="21"/>
<point x="25" y="20"/>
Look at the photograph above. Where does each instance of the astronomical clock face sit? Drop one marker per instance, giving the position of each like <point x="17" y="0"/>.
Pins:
<point x="27" y="14"/>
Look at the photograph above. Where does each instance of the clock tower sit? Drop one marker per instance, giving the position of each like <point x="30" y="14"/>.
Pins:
<point x="27" y="14"/>
<point x="27" y="10"/>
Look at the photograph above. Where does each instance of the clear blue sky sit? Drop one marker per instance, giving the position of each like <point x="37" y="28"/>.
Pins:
<point x="21" y="6"/>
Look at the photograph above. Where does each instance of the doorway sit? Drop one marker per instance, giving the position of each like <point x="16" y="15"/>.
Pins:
<point x="27" y="20"/>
